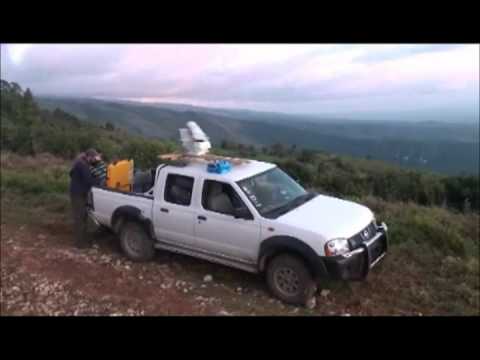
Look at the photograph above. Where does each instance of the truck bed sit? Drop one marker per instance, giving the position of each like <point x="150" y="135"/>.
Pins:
<point x="105" y="201"/>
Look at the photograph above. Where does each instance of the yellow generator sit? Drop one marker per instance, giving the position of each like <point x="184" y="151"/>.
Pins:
<point x="120" y="175"/>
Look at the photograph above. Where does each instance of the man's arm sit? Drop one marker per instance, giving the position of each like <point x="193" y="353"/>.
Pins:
<point x="87" y="175"/>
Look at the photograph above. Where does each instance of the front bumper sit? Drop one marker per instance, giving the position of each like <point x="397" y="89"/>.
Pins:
<point x="356" y="264"/>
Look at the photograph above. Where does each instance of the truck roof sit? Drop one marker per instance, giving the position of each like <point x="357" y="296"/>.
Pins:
<point x="238" y="172"/>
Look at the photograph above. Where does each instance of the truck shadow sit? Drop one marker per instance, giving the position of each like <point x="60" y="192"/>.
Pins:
<point x="196" y="269"/>
<point x="187" y="267"/>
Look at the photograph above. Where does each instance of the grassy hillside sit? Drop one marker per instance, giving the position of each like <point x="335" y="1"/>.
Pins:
<point x="442" y="147"/>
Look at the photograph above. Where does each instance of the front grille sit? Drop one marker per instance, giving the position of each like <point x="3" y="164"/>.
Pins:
<point x="377" y="249"/>
<point x="364" y="235"/>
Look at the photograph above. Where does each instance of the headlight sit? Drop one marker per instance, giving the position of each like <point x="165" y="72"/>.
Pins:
<point x="336" y="247"/>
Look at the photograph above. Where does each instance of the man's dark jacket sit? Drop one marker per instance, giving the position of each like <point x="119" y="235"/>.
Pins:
<point x="81" y="178"/>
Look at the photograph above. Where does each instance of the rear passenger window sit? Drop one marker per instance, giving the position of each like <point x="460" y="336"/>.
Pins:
<point x="178" y="189"/>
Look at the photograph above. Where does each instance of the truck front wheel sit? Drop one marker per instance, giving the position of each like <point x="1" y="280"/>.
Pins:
<point x="290" y="280"/>
<point x="135" y="242"/>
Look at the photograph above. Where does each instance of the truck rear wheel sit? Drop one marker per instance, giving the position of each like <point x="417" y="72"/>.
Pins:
<point x="136" y="243"/>
<point x="290" y="280"/>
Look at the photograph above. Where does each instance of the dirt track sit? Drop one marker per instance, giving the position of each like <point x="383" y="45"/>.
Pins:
<point x="42" y="274"/>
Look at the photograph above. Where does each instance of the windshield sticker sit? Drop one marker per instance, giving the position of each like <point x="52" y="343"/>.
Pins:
<point x="254" y="200"/>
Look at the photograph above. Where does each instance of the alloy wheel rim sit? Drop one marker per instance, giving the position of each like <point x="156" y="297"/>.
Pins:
<point x="287" y="281"/>
<point x="133" y="242"/>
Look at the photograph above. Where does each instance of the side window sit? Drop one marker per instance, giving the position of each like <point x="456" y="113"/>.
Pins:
<point x="178" y="189"/>
<point x="221" y="197"/>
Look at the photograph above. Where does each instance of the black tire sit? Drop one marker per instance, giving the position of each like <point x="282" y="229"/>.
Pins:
<point x="290" y="280"/>
<point x="136" y="244"/>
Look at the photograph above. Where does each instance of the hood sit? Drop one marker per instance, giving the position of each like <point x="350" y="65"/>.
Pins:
<point x="329" y="217"/>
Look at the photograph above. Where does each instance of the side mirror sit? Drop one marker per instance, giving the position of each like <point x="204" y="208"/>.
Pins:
<point x="242" y="213"/>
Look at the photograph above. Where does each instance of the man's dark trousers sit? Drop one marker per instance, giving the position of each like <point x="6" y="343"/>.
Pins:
<point x="80" y="216"/>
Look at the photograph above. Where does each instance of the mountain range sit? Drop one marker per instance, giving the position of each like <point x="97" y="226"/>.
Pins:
<point x="439" y="146"/>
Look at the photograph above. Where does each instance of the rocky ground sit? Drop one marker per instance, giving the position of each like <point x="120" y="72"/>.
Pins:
<point x="42" y="274"/>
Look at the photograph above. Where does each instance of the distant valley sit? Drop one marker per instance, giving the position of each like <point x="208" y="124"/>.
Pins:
<point x="444" y="147"/>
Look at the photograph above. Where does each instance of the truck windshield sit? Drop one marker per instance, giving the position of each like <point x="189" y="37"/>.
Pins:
<point x="273" y="192"/>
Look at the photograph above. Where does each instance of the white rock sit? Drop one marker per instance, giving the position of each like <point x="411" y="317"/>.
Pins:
<point x="239" y="289"/>
<point x="324" y="292"/>
<point x="208" y="278"/>
<point x="203" y="286"/>
<point x="224" y="313"/>
<point x="185" y="290"/>
<point x="311" y="303"/>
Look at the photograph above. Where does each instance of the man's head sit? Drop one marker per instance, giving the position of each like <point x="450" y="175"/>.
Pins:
<point x="91" y="155"/>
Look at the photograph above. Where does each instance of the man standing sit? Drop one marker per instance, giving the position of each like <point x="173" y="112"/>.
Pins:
<point x="81" y="182"/>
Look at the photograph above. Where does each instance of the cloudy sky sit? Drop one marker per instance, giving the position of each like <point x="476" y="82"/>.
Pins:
<point x="325" y="79"/>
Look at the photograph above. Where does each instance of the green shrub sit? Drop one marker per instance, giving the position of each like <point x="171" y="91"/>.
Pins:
<point x="439" y="229"/>
<point x="300" y="171"/>
<point x="34" y="183"/>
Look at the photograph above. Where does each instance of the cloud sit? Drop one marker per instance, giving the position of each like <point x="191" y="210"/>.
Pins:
<point x="262" y="76"/>
<point x="402" y="51"/>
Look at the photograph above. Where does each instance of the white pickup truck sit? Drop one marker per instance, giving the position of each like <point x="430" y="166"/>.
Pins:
<point x="254" y="217"/>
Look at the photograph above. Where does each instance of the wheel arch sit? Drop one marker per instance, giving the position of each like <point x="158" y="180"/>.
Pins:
<point x="276" y="245"/>
<point x="130" y="213"/>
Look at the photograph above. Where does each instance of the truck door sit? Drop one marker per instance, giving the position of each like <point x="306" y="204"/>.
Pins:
<point x="218" y="230"/>
<point x="173" y="214"/>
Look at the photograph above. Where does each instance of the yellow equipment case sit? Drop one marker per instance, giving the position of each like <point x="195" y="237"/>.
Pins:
<point x="120" y="175"/>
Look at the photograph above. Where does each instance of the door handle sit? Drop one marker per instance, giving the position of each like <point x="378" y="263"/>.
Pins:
<point x="164" y="210"/>
<point x="201" y="217"/>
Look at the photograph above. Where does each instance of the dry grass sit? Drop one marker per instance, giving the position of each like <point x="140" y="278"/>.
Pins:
<point x="9" y="160"/>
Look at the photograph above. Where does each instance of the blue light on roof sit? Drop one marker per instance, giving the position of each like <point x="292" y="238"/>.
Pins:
<point x="219" y="167"/>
